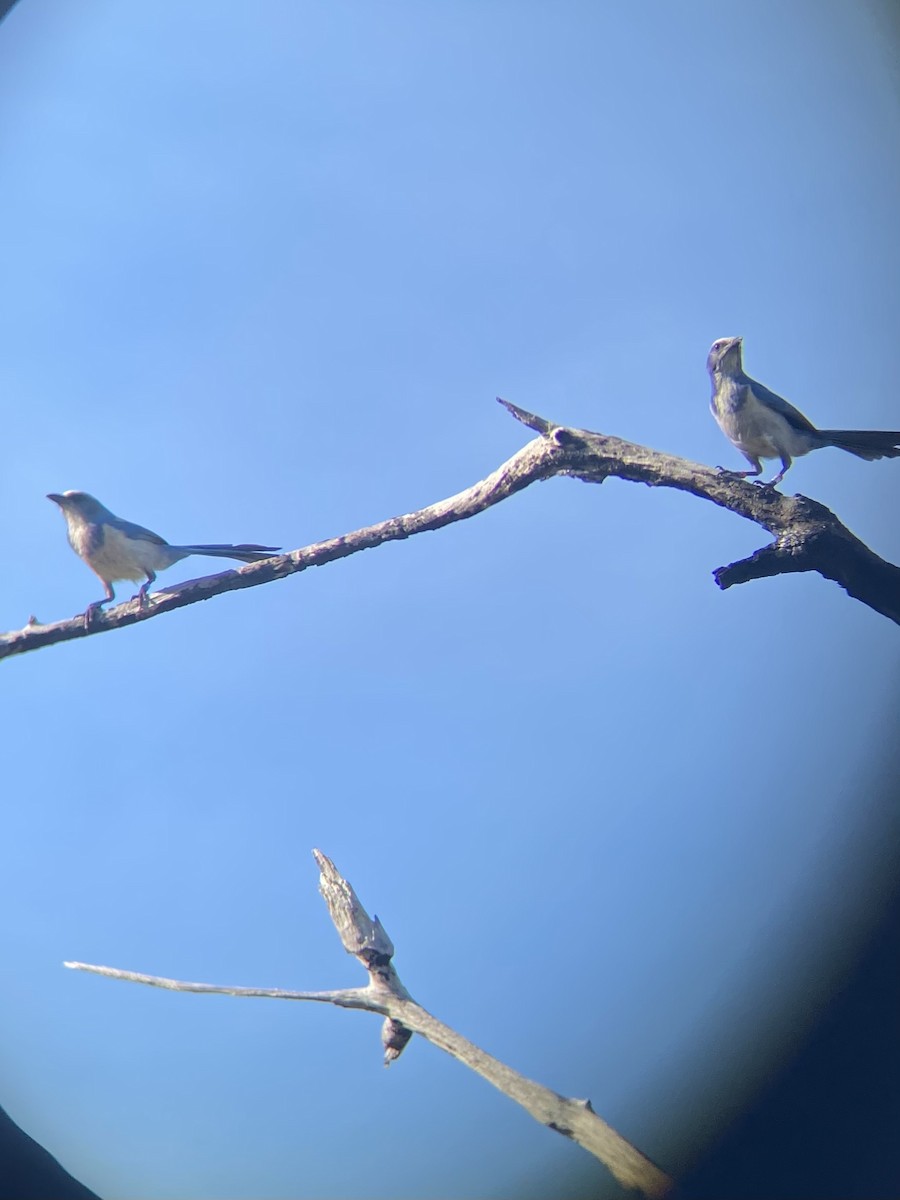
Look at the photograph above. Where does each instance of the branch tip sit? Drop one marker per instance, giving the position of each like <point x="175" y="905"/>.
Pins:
<point x="362" y="936"/>
<point x="538" y="424"/>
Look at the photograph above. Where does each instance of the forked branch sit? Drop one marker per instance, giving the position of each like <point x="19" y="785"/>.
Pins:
<point x="365" y="938"/>
<point x="808" y="536"/>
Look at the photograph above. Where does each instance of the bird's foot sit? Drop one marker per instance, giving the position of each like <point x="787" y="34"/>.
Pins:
<point x="141" y="597"/>
<point x="90" y="614"/>
<point x="727" y="471"/>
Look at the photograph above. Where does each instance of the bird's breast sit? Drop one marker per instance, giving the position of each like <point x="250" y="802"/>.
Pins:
<point x="114" y="556"/>
<point x="728" y="399"/>
<point x="757" y="429"/>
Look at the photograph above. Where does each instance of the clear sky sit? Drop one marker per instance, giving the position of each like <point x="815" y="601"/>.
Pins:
<point x="265" y="268"/>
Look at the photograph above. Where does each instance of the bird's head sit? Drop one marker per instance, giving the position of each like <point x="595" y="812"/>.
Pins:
<point x="80" y="504"/>
<point x="725" y="355"/>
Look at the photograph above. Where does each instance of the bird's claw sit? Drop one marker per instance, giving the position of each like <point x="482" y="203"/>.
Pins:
<point x="90" y="614"/>
<point x="730" y="473"/>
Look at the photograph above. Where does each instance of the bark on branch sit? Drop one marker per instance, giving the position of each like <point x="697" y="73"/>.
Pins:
<point x="808" y="536"/>
<point x="365" y="938"/>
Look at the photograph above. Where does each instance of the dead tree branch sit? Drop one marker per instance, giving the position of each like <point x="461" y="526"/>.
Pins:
<point x="808" y="536"/>
<point x="365" y="938"/>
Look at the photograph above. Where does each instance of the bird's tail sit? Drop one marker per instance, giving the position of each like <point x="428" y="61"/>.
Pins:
<point x="246" y="552"/>
<point x="864" y="443"/>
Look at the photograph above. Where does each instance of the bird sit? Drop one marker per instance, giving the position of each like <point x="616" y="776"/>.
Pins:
<point x="761" y="424"/>
<point x="115" y="549"/>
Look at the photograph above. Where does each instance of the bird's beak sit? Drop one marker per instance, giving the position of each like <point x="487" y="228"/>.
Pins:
<point x="55" y="497"/>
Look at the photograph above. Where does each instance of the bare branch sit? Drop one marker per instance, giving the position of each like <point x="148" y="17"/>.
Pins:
<point x="532" y="462"/>
<point x="808" y="536"/>
<point x="538" y="424"/>
<point x="343" y="997"/>
<point x="365" y="938"/>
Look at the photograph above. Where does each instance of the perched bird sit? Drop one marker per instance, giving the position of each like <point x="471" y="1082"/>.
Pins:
<point x="763" y="425"/>
<point x="115" y="549"/>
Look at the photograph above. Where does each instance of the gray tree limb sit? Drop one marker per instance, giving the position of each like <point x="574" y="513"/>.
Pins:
<point x="808" y="536"/>
<point x="365" y="938"/>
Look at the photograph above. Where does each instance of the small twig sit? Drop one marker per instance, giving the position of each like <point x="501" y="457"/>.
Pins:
<point x="808" y="536"/>
<point x="365" y="938"/>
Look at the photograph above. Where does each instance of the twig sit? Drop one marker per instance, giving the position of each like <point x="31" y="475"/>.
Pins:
<point x="365" y="938"/>
<point x="808" y="536"/>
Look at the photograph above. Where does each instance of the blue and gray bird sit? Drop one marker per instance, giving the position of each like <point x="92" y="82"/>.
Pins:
<point x="115" y="549"/>
<point x="763" y="425"/>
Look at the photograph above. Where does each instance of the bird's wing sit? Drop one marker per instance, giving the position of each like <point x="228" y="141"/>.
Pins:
<point x="137" y="532"/>
<point x="792" y="415"/>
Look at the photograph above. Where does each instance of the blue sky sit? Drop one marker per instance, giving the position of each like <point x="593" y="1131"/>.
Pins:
<point x="266" y="268"/>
